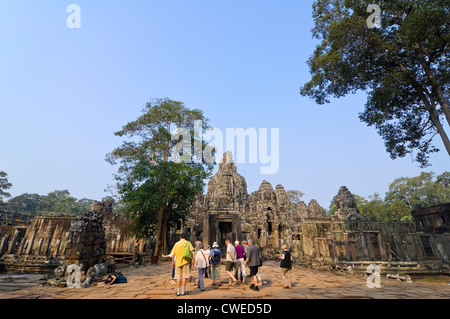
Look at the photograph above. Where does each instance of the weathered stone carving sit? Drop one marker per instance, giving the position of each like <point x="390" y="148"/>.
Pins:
<point x="347" y="208"/>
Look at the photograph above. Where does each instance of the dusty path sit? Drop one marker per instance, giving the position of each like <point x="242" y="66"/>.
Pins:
<point x="154" y="282"/>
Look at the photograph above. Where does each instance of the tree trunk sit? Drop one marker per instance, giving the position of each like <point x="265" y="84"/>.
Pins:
<point x="159" y="231"/>
<point x="434" y="117"/>
<point x="162" y="232"/>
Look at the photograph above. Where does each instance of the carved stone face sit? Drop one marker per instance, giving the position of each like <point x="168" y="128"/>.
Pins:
<point x="226" y="189"/>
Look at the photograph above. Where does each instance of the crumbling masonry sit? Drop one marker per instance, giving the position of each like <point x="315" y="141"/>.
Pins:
<point x="346" y="237"/>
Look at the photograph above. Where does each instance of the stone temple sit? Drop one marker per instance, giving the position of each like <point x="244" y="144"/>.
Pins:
<point x="345" y="238"/>
<point x="228" y="211"/>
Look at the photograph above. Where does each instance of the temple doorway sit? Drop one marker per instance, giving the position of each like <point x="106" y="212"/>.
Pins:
<point x="225" y="231"/>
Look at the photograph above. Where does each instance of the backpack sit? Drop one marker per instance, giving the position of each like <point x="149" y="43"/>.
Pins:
<point x="187" y="252"/>
<point x="215" y="258"/>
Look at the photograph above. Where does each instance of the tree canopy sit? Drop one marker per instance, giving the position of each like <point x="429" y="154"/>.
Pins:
<point x="403" y="66"/>
<point x="294" y="197"/>
<point x="4" y="186"/>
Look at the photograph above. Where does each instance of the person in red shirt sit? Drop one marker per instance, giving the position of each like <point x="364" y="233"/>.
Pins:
<point x="240" y="262"/>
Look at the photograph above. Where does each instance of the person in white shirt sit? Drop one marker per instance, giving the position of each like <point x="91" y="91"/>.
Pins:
<point x="201" y="263"/>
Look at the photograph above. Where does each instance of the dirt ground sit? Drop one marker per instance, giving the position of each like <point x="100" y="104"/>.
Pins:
<point x="154" y="282"/>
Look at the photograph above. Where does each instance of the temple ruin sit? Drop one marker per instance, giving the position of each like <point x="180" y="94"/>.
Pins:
<point x="346" y="237"/>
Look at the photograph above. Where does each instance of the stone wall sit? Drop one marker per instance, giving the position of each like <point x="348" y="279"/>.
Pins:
<point x="49" y="242"/>
<point x="433" y="220"/>
<point x="433" y="230"/>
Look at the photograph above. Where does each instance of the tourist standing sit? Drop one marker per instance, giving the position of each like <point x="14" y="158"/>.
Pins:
<point x="230" y="262"/>
<point x="216" y="261"/>
<point x="258" y="274"/>
<point x="182" y="263"/>
<point x="201" y="263"/>
<point x="245" y="246"/>
<point x="286" y="265"/>
<point x="240" y="262"/>
<point x="252" y="261"/>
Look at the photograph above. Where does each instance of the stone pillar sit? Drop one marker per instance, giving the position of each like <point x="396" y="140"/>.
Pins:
<point x="383" y="253"/>
<point x="58" y="245"/>
<point x="117" y="244"/>
<point x="39" y="247"/>
<point x="13" y="243"/>
<point x="364" y="246"/>
<point x="31" y="242"/>
<point x="389" y="252"/>
<point x="276" y="236"/>
<point x="417" y="251"/>
<point x="47" y="248"/>
<point x="346" y="246"/>
<point x="4" y="244"/>
<point x="206" y="234"/>
<point x="235" y="229"/>
<point x="216" y="227"/>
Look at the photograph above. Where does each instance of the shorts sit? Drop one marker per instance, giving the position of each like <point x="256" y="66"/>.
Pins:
<point x="253" y="270"/>
<point x="183" y="272"/>
<point x="229" y="266"/>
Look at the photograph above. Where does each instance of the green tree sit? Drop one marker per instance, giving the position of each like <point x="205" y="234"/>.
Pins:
<point x="444" y="180"/>
<point x="4" y="186"/>
<point x="333" y="208"/>
<point x="83" y="205"/>
<point x="157" y="190"/>
<point x="25" y="203"/>
<point x="419" y="191"/>
<point x="398" y="211"/>
<point x="404" y="67"/>
<point x="374" y="208"/>
<point x="60" y="201"/>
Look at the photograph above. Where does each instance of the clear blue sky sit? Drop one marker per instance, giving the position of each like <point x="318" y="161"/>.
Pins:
<point x="63" y="92"/>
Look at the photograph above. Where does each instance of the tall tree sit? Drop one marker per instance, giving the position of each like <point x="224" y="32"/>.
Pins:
<point x="4" y="186"/>
<point x="404" y="67"/>
<point x="25" y="203"/>
<point x="157" y="189"/>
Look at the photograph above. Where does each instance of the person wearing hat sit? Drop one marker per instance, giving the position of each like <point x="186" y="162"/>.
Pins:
<point x="216" y="261"/>
<point x="240" y="262"/>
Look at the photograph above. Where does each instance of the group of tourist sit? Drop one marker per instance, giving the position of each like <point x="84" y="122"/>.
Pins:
<point x="240" y="260"/>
